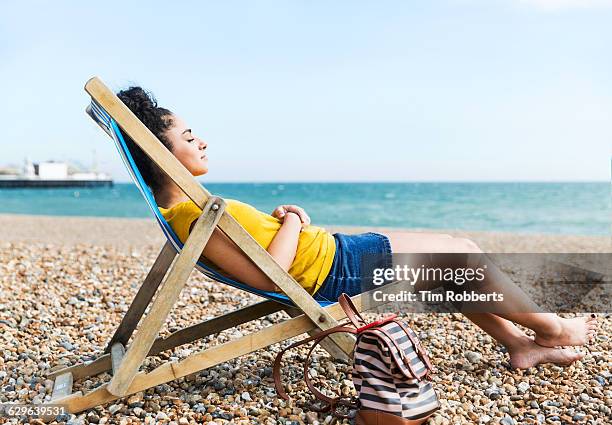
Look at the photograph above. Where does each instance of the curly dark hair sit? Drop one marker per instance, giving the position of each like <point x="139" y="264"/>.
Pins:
<point x="156" y="119"/>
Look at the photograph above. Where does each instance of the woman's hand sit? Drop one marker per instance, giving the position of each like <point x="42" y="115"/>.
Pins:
<point x="281" y="211"/>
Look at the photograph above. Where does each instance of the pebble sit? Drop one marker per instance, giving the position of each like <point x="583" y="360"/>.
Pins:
<point x="600" y="380"/>
<point x="312" y="418"/>
<point x="473" y="357"/>
<point x="493" y="392"/>
<point x="68" y="346"/>
<point x="523" y="387"/>
<point x="135" y="400"/>
<point x="92" y="417"/>
<point x="114" y="408"/>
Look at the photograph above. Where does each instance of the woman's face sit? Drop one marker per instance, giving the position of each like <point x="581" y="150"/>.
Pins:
<point x="187" y="148"/>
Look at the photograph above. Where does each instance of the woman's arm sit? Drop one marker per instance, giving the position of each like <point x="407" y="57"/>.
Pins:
<point x="224" y="253"/>
<point x="284" y="245"/>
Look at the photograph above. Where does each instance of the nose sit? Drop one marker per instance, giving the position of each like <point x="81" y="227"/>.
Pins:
<point x="203" y="144"/>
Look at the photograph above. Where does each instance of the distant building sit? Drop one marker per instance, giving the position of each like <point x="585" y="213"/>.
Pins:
<point x="52" y="174"/>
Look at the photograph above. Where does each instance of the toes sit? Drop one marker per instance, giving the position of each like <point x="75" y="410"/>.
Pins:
<point x="591" y="318"/>
<point x="574" y="355"/>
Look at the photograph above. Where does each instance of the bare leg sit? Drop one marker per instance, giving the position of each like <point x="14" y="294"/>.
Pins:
<point x="524" y="352"/>
<point x="551" y="330"/>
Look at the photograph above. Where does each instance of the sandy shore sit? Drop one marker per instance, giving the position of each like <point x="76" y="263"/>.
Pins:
<point x="65" y="283"/>
<point x="129" y="232"/>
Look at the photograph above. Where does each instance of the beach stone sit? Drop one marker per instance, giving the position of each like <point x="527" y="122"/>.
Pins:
<point x="600" y="380"/>
<point x="579" y="417"/>
<point x="68" y="346"/>
<point x="75" y="421"/>
<point x="485" y="419"/>
<point x="135" y="400"/>
<point x="114" y="408"/>
<point x="92" y="417"/>
<point x="312" y="418"/>
<point x="507" y="421"/>
<point x="473" y="357"/>
<point x="246" y="396"/>
<point x="523" y="387"/>
<point x="493" y="392"/>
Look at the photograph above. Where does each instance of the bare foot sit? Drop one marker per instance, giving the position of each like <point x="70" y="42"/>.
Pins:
<point x="561" y="332"/>
<point x="526" y="353"/>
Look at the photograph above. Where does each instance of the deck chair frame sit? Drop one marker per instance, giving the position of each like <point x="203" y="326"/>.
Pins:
<point x="162" y="287"/>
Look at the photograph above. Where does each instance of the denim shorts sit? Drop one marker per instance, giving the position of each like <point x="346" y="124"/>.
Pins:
<point x="355" y="258"/>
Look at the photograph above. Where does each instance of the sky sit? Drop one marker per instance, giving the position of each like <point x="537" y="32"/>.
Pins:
<point x="441" y="90"/>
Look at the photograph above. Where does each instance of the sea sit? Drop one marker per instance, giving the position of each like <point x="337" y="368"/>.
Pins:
<point x="579" y="208"/>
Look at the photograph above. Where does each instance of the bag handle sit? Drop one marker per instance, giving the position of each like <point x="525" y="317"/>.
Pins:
<point x="419" y="349"/>
<point x="389" y="341"/>
<point x="351" y="311"/>
<point x="332" y="402"/>
<point x="318" y="337"/>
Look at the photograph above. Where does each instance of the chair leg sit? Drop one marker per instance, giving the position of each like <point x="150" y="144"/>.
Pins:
<point x="167" y="297"/>
<point x="143" y="297"/>
<point x="62" y="386"/>
<point x="117" y="353"/>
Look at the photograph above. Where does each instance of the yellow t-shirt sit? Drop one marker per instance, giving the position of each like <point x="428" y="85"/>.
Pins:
<point x="315" y="251"/>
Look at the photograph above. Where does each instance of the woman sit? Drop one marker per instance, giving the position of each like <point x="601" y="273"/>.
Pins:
<point x="327" y="265"/>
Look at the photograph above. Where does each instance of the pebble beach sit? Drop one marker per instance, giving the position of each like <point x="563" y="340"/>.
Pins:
<point x="66" y="282"/>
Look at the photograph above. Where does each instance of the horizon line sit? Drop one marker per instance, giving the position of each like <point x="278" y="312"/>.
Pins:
<point x="385" y="181"/>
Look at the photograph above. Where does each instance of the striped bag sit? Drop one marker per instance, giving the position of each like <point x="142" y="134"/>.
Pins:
<point x="390" y="372"/>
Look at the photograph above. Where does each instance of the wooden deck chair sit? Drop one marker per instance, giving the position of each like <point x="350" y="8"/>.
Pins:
<point x="169" y="274"/>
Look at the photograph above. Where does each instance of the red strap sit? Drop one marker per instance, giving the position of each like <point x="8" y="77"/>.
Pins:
<point x="376" y="323"/>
